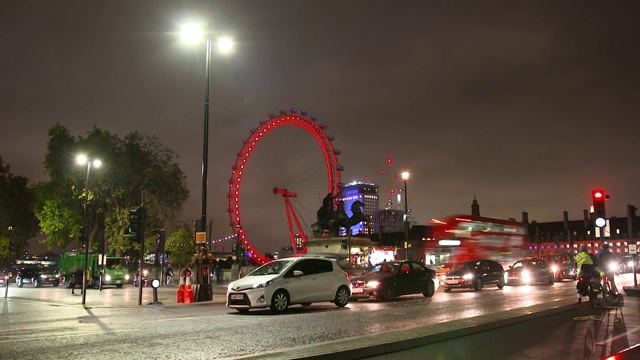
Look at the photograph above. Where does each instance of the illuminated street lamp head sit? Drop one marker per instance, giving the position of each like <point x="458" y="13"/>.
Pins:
<point x="83" y="160"/>
<point x="191" y="33"/>
<point x="405" y="175"/>
<point x="225" y="45"/>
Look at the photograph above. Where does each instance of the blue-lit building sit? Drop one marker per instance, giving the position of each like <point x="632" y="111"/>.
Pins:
<point x="367" y="193"/>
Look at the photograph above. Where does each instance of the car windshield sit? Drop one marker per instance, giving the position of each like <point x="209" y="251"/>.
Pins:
<point x="464" y="266"/>
<point x="385" y="268"/>
<point x="271" y="268"/>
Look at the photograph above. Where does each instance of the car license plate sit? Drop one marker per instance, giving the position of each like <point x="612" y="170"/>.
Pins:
<point x="236" y="297"/>
<point x="452" y="282"/>
<point x="357" y="291"/>
<point x="118" y="281"/>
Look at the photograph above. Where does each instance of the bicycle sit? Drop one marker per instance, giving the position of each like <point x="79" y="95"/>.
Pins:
<point x="607" y="289"/>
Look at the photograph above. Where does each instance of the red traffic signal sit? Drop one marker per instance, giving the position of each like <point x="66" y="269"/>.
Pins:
<point x="600" y="216"/>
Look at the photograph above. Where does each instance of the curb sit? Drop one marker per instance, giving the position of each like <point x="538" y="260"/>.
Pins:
<point x="631" y="290"/>
<point x="390" y="342"/>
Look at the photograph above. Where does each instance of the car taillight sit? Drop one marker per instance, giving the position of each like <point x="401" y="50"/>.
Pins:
<point x="346" y="275"/>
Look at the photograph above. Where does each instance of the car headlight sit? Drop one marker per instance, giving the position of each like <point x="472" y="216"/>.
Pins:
<point x="443" y="277"/>
<point x="145" y="273"/>
<point x="467" y="276"/>
<point x="262" y="285"/>
<point x="57" y="276"/>
<point x="630" y="264"/>
<point x="373" y="283"/>
<point x="613" y="267"/>
<point x="126" y="277"/>
<point x="525" y="275"/>
<point x="107" y="277"/>
<point x="554" y="268"/>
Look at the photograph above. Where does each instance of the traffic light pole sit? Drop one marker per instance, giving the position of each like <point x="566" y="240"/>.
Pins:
<point x="141" y="238"/>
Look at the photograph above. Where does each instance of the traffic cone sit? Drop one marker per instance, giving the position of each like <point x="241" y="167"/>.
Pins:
<point x="180" y="292"/>
<point x="188" y="291"/>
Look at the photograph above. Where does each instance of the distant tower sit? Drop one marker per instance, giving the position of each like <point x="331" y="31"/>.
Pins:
<point x="475" y="208"/>
<point x="367" y="193"/>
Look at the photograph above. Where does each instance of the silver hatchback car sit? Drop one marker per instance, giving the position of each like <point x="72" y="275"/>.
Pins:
<point x="284" y="282"/>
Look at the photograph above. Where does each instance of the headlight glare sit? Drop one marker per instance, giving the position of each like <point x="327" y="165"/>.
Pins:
<point x="467" y="276"/>
<point x="373" y="283"/>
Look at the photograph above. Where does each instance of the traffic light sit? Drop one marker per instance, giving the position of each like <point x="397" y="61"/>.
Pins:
<point x="600" y="216"/>
<point x="136" y="224"/>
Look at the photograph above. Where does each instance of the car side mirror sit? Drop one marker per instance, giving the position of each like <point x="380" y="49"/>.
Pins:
<point x="297" y="273"/>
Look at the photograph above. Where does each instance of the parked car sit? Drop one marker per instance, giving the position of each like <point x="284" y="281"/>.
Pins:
<point x="38" y="276"/>
<point x="388" y="280"/>
<point x="530" y="271"/>
<point x="562" y="265"/>
<point x="474" y="274"/>
<point x="284" y="282"/>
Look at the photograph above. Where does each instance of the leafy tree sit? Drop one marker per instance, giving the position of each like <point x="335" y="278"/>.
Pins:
<point x="136" y="171"/>
<point x="16" y="210"/>
<point x="180" y="245"/>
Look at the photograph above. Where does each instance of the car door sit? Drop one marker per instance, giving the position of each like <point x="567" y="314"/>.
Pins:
<point x="420" y="278"/>
<point x="325" y="278"/>
<point x="488" y="272"/>
<point x="303" y="288"/>
<point x="403" y="278"/>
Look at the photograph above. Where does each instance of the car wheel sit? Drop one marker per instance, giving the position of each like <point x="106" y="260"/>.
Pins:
<point x="478" y="285"/>
<point x="279" y="301"/>
<point x="389" y="293"/>
<point x="501" y="283"/>
<point x="36" y="282"/>
<point x="447" y="289"/>
<point x="342" y="296"/>
<point x="430" y="290"/>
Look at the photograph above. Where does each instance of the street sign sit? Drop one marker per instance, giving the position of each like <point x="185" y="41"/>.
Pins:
<point x="201" y="237"/>
<point x="632" y="249"/>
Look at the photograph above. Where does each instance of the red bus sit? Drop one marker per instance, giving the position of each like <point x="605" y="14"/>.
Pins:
<point x="465" y="237"/>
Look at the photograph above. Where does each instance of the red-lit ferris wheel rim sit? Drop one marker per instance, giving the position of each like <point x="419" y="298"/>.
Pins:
<point x="275" y="121"/>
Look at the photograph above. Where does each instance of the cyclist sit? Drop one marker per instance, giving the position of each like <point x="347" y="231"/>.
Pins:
<point x="608" y="264"/>
<point x="585" y="263"/>
<point x="168" y="275"/>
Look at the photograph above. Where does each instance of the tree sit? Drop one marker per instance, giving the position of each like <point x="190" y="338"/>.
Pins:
<point x="16" y="210"/>
<point x="180" y="246"/>
<point x="137" y="171"/>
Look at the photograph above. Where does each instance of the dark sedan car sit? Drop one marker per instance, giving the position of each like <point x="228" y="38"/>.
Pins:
<point x="562" y="265"/>
<point x="529" y="272"/>
<point x="38" y="276"/>
<point x="474" y="274"/>
<point x="391" y="279"/>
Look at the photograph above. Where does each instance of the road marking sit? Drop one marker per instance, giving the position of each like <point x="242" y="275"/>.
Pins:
<point x="585" y="318"/>
<point x="624" y="334"/>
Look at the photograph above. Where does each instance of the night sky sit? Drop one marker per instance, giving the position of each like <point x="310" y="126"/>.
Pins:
<point x="526" y="105"/>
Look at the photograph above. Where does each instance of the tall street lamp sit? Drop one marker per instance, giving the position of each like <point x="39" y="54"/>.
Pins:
<point x="405" y="177"/>
<point x="192" y="33"/>
<point x="82" y="159"/>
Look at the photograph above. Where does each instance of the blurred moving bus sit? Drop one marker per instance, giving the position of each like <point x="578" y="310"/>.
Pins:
<point x="465" y="237"/>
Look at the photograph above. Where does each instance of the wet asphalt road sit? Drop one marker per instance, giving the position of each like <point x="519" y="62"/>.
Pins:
<point x="49" y="323"/>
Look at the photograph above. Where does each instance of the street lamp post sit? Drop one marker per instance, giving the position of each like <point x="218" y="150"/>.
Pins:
<point x="192" y="33"/>
<point x="405" y="177"/>
<point x="81" y="159"/>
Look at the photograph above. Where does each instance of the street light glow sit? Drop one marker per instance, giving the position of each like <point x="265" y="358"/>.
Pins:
<point x="191" y="33"/>
<point x="225" y="44"/>
<point x="405" y="175"/>
<point x="81" y="159"/>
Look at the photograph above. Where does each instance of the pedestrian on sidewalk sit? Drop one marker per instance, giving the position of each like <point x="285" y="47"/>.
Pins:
<point x="217" y="272"/>
<point x="76" y="279"/>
